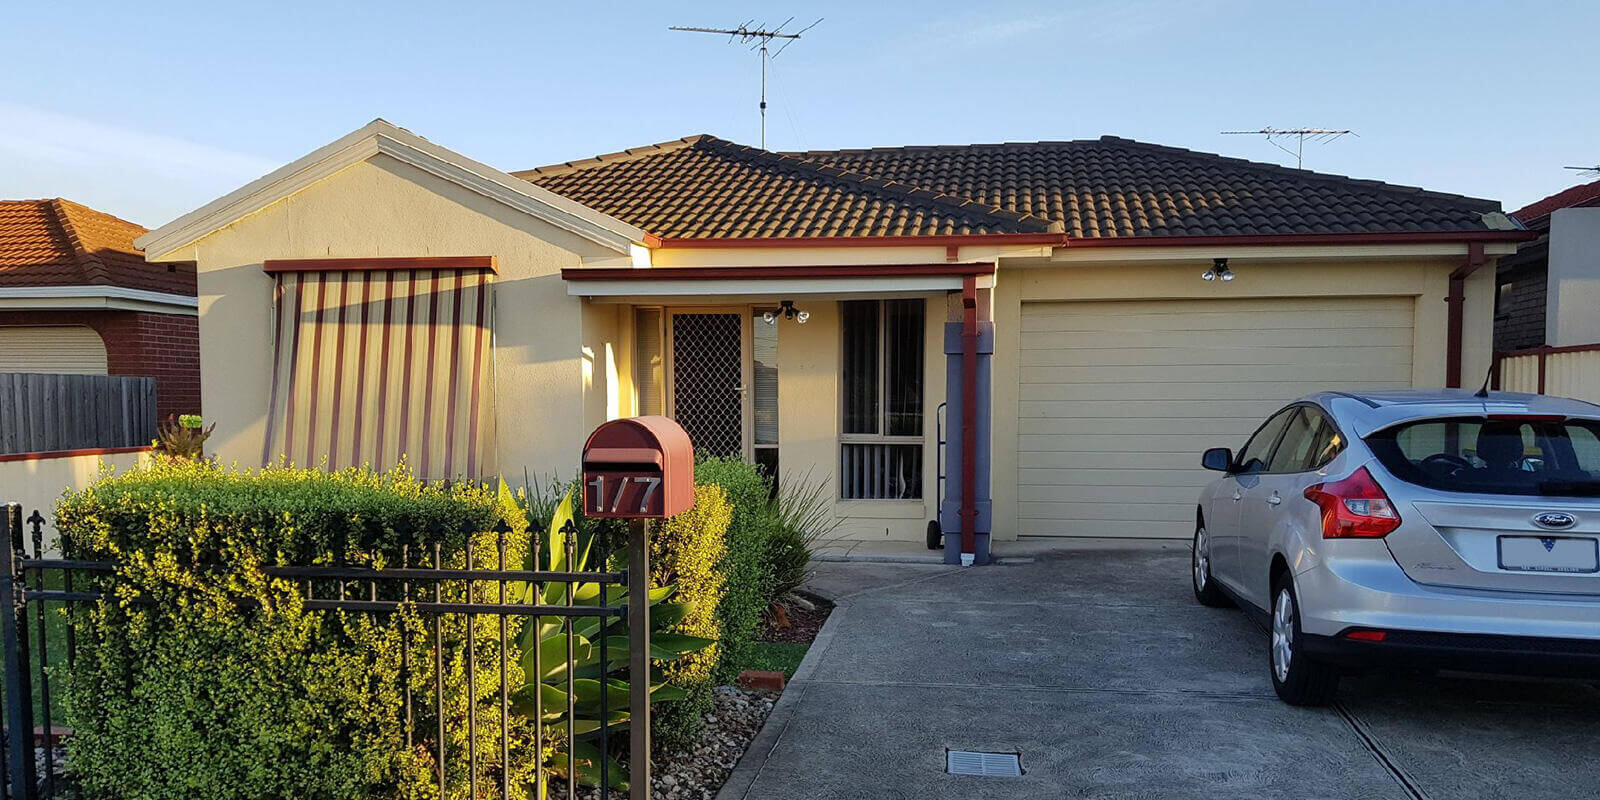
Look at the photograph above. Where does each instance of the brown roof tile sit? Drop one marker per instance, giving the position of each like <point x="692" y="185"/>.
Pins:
<point x="704" y="187"/>
<point x="61" y="243"/>
<point x="1536" y="215"/>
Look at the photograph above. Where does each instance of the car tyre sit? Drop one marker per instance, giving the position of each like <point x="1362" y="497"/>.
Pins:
<point x="1298" y="679"/>
<point x="1206" y="590"/>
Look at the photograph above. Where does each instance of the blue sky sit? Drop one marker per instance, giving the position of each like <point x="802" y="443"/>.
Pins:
<point x="149" y="110"/>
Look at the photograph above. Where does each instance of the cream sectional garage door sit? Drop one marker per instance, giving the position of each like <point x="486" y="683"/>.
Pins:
<point x="1118" y="399"/>
<point x="61" y="349"/>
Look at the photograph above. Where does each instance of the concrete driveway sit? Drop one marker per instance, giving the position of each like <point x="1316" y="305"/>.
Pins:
<point x="1098" y="667"/>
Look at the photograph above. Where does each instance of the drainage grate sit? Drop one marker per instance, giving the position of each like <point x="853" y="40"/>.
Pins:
<point x="991" y="765"/>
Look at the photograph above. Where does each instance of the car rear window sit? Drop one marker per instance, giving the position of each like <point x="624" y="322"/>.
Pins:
<point x="1500" y="454"/>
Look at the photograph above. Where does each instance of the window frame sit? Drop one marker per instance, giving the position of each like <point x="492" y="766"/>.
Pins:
<point x="1327" y="418"/>
<point x="882" y="415"/>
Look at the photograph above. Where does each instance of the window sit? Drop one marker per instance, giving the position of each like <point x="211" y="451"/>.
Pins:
<point x="648" y="372"/>
<point x="1495" y="455"/>
<point x="881" y="422"/>
<point x="1309" y="442"/>
<point x="764" y="398"/>
<point x="1502" y="299"/>
<point x="1253" y="458"/>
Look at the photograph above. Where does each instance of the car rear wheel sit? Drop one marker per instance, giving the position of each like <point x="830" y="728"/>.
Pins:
<point x="1298" y="679"/>
<point x="1205" y="589"/>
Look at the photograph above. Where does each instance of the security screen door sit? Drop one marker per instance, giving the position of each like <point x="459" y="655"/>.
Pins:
<point x="708" y="380"/>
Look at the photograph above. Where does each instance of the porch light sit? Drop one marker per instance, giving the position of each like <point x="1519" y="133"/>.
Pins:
<point x="1219" y="269"/>
<point x="787" y="310"/>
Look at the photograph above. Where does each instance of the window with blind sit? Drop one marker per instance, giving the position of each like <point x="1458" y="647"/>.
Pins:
<point x="648" y="361"/>
<point x="374" y="366"/>
<point x="880" y="449"/>
<point x="764" y="397"/>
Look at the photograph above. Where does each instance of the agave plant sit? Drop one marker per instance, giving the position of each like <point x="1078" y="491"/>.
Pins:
<point x="543" y="647"/>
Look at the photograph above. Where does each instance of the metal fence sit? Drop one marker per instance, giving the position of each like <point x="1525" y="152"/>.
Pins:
<point x="1571" y="371"/>
<point x="418" y="585"/>
<point x="42" y="413"/>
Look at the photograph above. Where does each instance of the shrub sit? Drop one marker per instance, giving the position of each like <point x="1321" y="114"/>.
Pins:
<point x="745" y="601"/>
<point x="803" y="515"/>
<point x="227" y="686"/>
<point x="686" y="551"/>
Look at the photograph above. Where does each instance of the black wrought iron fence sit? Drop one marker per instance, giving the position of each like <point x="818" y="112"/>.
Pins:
<point x="418" y="585"/>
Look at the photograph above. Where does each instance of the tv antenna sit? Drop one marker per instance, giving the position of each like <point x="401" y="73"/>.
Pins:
<point x="759" y="38"/>
<point x="1587" y="172"/>
<point x="1300" y="135"/>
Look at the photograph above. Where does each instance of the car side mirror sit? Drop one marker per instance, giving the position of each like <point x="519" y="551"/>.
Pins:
<point x="1218" y="458"/>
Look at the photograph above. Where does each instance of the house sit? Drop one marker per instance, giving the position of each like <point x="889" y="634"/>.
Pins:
<point x="76" y="297"/>
<point x="1528" y="304"/>
<point x="1118" y="306"/>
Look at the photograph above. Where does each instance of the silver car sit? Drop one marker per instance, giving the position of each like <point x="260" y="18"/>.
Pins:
<point x="1431" y="528"/>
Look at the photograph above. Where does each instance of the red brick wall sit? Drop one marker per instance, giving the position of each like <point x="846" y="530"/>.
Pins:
<point x="163" y="346"/>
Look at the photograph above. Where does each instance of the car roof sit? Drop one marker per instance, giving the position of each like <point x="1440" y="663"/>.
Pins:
<point x="1368" y="411"/>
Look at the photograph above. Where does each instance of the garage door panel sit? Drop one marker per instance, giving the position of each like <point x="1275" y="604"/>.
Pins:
<point x="1336" y="373"/>
<point x="1035" y="343"/>
<point x="1118" y="399"/>
<point x="1210" y="355"/>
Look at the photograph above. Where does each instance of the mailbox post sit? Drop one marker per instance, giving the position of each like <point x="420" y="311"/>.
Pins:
<point x="638" y="469"/>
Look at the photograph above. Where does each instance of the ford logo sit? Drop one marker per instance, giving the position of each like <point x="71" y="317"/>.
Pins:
<point x="1556" y="520"/>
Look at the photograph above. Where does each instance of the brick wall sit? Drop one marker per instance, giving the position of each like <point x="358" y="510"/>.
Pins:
<point x="1520" y="314"/>
<point x="163" y="346"/>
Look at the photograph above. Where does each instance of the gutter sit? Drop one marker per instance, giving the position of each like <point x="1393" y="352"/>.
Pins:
<point x="1065" y="240"/>
<point x="777" y="272"/>
<point x="1455" y="322"/>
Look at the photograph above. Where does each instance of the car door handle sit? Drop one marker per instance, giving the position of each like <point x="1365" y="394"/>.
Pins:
<point x="1274" y="499"/>
<point x="1237" y="495"/>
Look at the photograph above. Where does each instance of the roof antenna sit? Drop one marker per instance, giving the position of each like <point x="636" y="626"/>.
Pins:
<point x="1483" y="391"/>
<point x="744" y="34"/>
<point x="1587" y="172"/>
<point x="1300" y="135"/>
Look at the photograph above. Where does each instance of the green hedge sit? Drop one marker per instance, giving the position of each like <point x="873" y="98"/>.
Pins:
<point x="200" y="696"/>
<point x="686" y="552"/>
<point x="745" y="602"/>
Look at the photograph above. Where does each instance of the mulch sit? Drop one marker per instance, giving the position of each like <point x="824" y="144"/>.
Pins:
<point x="803" y="624"/>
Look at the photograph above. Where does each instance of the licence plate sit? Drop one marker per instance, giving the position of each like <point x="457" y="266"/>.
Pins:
<point x="1550" y="554"/>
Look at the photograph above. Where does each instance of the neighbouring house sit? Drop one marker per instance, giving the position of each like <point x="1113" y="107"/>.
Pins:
<point x="1551" y="273"/>
<point x="76" y="297"/>
<point x="1116" y="306"/>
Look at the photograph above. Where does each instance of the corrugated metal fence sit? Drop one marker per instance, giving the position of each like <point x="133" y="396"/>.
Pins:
<point x="1560" y="371"/>
<point x="41" y="413"/>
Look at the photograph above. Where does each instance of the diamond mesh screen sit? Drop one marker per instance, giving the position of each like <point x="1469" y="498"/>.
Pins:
<point x="706" y="376"/>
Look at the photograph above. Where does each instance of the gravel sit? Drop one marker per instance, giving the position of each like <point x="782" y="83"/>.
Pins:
<point x="698" y="772"/>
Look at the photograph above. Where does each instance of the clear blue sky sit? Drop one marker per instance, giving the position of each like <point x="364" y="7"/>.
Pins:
<point x="148" y="110"/>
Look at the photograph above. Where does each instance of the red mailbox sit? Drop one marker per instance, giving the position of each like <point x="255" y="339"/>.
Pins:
<point x="638" y="468"/>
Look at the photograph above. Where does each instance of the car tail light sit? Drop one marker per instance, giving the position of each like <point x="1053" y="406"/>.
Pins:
<point x="1354" y="508"/>
<point x="1367" y="636"/>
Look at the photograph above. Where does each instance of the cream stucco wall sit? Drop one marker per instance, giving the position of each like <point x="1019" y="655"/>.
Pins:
<point x="37" y="483"/>
<point x="549" y="389"/>
<point x="1425" y="280"/>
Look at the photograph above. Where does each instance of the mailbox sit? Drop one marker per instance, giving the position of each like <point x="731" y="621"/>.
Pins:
<point x="638" y="468"/>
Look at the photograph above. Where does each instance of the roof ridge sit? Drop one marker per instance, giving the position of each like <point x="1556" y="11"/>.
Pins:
<point x="94" y="270"/>
<point x="630" y="154"/>
<point x="1029" y="222"/>
<point x="1569" y="197"/>
<point x="1264" y="166"/>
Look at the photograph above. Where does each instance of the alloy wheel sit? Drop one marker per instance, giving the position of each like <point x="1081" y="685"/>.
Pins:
<point x="1283" y="634"/>
<point x="1202" y="559"/>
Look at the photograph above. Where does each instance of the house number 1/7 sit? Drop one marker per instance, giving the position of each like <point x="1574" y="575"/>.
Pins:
<point x="622" y="494"/>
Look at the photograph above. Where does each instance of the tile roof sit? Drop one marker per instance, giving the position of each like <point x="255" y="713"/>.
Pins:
<point x="704" y="187"/>
<point x="1536" y="215"/>
<point x="61" y="243"/>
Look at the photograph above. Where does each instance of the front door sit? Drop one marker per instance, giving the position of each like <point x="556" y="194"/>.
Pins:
<point x="707" y="380"/>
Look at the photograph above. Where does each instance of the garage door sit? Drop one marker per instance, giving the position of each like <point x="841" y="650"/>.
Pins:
<point x="59" y="349"/>
<point x="1118" y="399"/>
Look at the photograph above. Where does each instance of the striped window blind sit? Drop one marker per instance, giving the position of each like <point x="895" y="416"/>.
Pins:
<point x="371" y="367"/>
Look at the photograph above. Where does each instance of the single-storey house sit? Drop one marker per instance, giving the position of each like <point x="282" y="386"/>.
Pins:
<point x="1529" y="305"/>
<point x="1126" y="306"/>
<point x="77" y="298"/>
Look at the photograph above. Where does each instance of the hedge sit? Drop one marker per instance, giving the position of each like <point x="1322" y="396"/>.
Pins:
<point x="227" y="687"/>
<point x="749" y="593"/>
<point x="686" y="552"/>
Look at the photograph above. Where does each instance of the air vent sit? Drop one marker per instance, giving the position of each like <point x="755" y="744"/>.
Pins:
<point x="989" y="765"/>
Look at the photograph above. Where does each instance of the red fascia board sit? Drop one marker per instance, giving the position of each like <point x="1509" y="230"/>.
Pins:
<point x="776" y="272"/>
<point x="870" y="241"/>
<point x="88" y="451"/>
<point x="276" y="265"/>
<point x="1396" y="237"/>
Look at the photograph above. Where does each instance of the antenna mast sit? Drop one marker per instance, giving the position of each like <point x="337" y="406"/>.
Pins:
<point x="762" y="38"/>
<point x="1587" y="172"/>
<point x="1316" y="135"/>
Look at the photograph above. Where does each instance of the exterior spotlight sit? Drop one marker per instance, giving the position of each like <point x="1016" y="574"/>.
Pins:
<point x="802" y="316"/>
<point x="786" y="310"/>
<point x="1219" y="269"/>
<point x="769" y="317"/>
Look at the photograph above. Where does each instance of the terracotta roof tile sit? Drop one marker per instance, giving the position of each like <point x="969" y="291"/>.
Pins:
<point x="704" y="187"/>
<point x="1536" y="215"/>
<point x="61" y="243"/>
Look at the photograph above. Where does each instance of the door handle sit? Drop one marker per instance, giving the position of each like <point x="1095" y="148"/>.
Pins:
<point x="1274" y="499"/>
<point x="1237" y="495"/>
